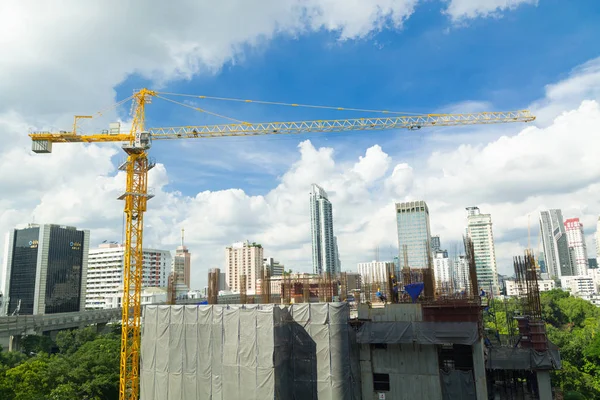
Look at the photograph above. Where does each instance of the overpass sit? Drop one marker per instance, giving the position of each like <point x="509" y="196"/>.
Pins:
<point x="19" y="325"/>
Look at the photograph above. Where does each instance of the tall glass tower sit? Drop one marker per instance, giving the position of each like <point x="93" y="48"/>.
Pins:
<point x="324" y="244"/>
<point x="44" y="270"/>
<point x="556" y="245"/>
<point x="414" y="236"/>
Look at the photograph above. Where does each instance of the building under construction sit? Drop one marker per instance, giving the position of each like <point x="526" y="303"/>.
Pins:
<point x="419" y="343"/>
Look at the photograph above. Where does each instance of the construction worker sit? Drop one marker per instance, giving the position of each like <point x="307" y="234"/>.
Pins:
<point x="381" y="296"/>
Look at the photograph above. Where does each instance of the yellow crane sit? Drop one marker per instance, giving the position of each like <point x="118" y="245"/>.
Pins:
<point x="137" y="142"/>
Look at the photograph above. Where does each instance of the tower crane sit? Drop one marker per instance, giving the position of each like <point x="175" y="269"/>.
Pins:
<point x="137" y="142"/>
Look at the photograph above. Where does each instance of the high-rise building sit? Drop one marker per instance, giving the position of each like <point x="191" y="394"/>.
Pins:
<point x="555" y="244"/>
<point x="105" y="273"/>
<point x="323" y="241"/>
<point x="182" y="263"/>
<point x="436" y="244"/>
<point x="222" y="278"/>
<point x="441" y="268"/>
<point x="460" y="273"/>
<point x="479" y="229"/>
<point x="375" y="272"/>
<point x="44" y="270"/>
<point x="414" y="236"/>
<point x="274" y="267"/>
<point x="338" y="262"/>
<point x="577" y="246"/>
<point x="243" y="258"/>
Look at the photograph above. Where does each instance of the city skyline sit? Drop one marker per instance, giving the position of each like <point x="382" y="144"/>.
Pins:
<point x="223" y="190"/>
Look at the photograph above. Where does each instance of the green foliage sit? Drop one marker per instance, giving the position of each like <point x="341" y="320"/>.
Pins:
<point x="69" y="341"/>
<point x="86" y="367"/>
<point x="573" y="325"/>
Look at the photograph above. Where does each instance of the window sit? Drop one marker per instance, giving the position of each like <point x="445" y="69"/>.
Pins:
<point x="381" y="382"/>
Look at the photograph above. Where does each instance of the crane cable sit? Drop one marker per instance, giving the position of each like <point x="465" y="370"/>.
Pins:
<point x="203" y="110"/>
<point x="287" y="104"/>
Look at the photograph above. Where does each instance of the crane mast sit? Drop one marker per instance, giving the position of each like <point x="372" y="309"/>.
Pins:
<point x="136" y="196"/>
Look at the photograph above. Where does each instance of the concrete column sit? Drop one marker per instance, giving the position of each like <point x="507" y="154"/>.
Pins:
<point x="479" y="370"/>
<point x="544" y="385"/>
<point x="15" y="343"/>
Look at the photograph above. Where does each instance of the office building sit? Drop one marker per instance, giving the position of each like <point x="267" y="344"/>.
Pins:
<point x="44" y="270"/>
<point x="479" y="229"/>
<point x="435" y="244"/>
<point x="182" y="263"/>
<point x="243" y="258"/>
<point x="442" y="270"/>
<point x="324" y="247"/>
<point x="578" y="285"/>
<point x="577" y="246"/>
<point x="221" y="277"/>
<point x="375" y="272"/>
<point x="105" y="273"/>
<point x="514" y="288"/>
<point x="274" y="267"/>
<point x="557" y="255"/>
<point x="460" y="273"/>
<point x="414" y="236"/>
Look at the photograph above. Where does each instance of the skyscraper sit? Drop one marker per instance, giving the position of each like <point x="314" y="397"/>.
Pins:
<point x="555" y="243"/>
<point x="436" y="244"/>
<point x="44" y="270"/>
<point x="479" y="229"/>
<point x="324" y="247"/>
<point x="414" y="236"/>
<point x="442" y="270"/>
<point x="577" y="246"/>
<point x="243" y="258"/>
<point x="181" y="267"/>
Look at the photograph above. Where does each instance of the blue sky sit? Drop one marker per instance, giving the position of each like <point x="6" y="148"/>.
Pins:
<point x="428" y="65"/>
<point x="66" y="61"/>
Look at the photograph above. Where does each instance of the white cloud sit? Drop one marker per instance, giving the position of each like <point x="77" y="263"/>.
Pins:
<point x="460" y="10"/>
<point x="55" y="52"/>
<point x="68" y="49"/>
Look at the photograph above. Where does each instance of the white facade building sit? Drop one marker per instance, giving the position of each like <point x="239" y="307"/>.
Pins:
<point x="324" y="244"/>
<point x="479" y="229"/>
<point x="594" y="273"/>
<point x="243" y="258"/>
<point x="577" y="246"/>
<point x="375" y="271"/>
<point x="460" y="273"/>
<point x="153" y="295"/>
<point x="514" y="289"/>
<point x="105" y="273"/>
<point x="578" y="285"/>
<point x="442" y="270"/>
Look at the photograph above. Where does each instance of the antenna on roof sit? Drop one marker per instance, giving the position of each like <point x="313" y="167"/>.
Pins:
<point x="182" y="231"/>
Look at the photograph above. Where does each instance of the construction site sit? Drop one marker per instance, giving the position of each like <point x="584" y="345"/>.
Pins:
<point x="315" y="337"/>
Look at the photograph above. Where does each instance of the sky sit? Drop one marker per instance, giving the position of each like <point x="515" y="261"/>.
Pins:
<point x="414" y="56"/>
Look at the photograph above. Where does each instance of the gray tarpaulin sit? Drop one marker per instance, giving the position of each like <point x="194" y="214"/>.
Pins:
<point x="524" y="359"/>
<point x="457" y="385"/>
<point x="302" y="351"/>
<point x="418" y="332"/>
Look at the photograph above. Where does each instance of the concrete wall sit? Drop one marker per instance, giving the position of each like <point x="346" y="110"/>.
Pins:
<point x="413" y="371"/>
